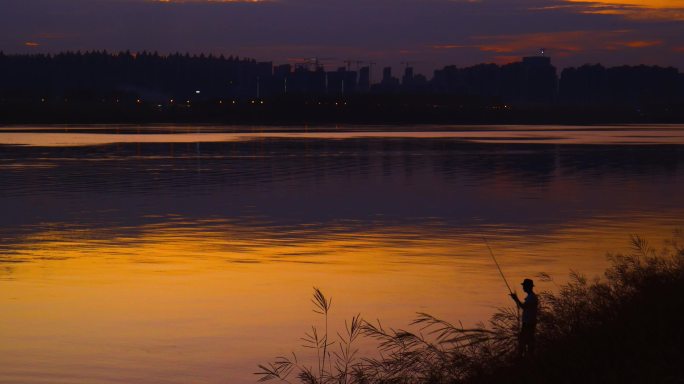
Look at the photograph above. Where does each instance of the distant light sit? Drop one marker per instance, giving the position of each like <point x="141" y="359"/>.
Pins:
<point x="138" y="101"/>
<point x="171" y="101"/>
<point x="187" y="101"/>
<point x="262" y="101"/>
<point x="197" y="92"/>
<point x="42" y="100"/>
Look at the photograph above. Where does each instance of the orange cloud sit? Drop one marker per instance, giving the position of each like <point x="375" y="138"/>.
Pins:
<point x="507" y="48"/>
<point x="529" y="43"/>
<point x="666" y="4"/>
<point x="31" y="44"/>
<point x="557" y="42"/>
<point x="51" y="36"/>
<point x="643" y="44"/>
<point x="634" y="9"/>
<point x="501" y="60"/>
<point x="450" y="46"/>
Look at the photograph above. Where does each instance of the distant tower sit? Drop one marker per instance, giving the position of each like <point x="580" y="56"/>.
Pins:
<point x="408" y="76"/>
<point x="538" y="78"/>
<point x="387" y="75"/>
<point x="364" y="78"/>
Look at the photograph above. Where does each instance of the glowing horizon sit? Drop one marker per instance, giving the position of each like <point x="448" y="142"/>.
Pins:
<point x="430" y="34"/>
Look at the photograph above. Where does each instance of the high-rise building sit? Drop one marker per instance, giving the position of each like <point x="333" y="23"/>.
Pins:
<point x="364" y="79"/>
<point x="540" y="81"/>
<point x="407" y="80"/>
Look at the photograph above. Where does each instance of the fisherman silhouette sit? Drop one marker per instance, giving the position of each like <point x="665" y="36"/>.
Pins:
<point x="529" y="319"/>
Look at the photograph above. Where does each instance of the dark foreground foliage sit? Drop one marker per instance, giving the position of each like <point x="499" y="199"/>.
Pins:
<point x="626" y="327"/>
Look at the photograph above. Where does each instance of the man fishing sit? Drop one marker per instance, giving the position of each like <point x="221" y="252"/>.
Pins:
<point x="529" y="311"/>
<point x="529" y="319"/>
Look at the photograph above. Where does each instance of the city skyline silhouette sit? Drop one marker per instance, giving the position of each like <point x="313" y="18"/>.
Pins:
<point x="149" y="87"/>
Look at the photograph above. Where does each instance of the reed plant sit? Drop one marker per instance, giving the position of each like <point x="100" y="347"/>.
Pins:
<point x="623" y="328"/>
<point x="336" y="360"/>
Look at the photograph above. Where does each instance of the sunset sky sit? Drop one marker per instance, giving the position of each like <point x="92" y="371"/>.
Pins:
<point x="426" y="33"/>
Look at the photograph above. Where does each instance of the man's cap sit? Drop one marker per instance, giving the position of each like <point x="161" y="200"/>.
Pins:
<point x="528" y="282"/>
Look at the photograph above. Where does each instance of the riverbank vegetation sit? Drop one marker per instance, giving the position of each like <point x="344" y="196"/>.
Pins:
<point x="625" y="327"/>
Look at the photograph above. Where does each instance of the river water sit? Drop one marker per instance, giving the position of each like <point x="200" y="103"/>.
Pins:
<point x="188" y="254"/>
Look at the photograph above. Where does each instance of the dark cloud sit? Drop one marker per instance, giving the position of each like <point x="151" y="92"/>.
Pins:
<point x="429" y="32"/>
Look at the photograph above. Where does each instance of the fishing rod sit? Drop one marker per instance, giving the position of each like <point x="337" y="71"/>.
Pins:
<point x="497" y="265"/>
<point x="517" y="307"/>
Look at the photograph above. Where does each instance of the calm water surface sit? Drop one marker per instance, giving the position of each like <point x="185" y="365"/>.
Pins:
<point x="188" y="254"/>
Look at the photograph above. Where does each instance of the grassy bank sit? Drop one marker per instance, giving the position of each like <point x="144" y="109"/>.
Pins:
<point x="626" y="327"/>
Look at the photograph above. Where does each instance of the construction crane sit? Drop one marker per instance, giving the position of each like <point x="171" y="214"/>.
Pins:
<point x="350" y="62"/>
<point x="317" y="61"/>
<point x="408" y="63"/>
<point x="310" y="63"/>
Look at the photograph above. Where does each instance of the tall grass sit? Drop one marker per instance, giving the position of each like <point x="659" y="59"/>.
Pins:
<point x="336" y="359"/>
<point x="626" y="327"/>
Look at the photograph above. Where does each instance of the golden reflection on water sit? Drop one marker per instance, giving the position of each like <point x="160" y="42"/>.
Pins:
<point x="519" y="134"/>
<point x="205" y="301"/>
